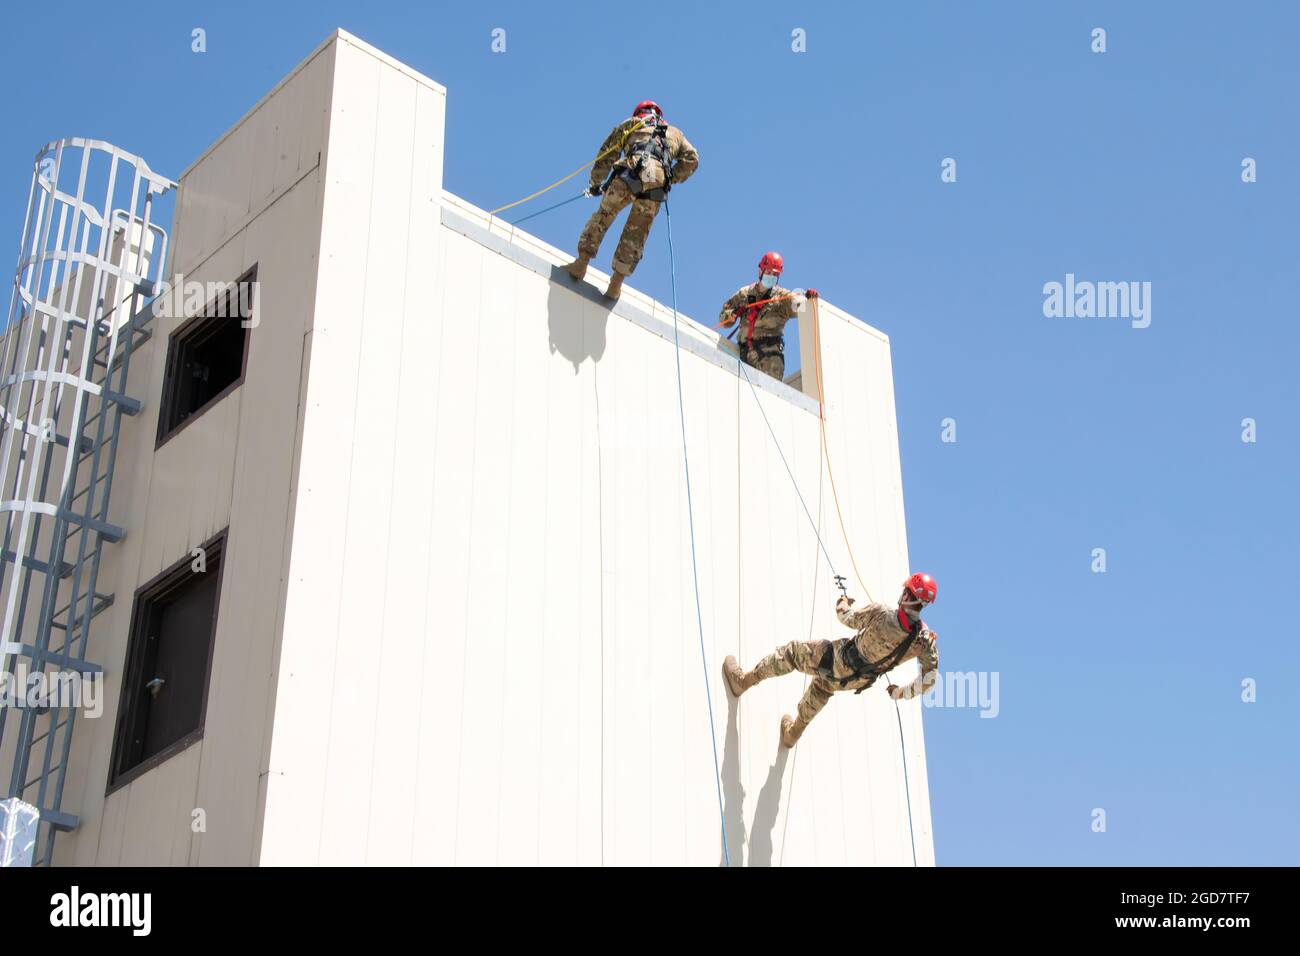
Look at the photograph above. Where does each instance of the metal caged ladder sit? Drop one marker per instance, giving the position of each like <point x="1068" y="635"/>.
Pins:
<point x="81" y="304"/>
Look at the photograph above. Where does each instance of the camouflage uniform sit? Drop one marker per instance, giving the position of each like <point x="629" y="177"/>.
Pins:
<point x="763" y="346"/>
<point x="644" y="190"/>
<point x="878" y="635"/>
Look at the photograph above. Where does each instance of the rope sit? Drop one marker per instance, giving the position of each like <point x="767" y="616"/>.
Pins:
<point x="821" y="415"/>
<point x="812" y="620"/>
<point x="560" y="182"/>
<point x="745" y="308"/>
<point x="788" y="471"/>
<point x="690" y="512"/>
<point x="532" y="215"/>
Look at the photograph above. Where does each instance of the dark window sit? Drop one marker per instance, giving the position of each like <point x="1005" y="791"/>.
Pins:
<point x="168" y="659"/>
<point x="206" y="355"/>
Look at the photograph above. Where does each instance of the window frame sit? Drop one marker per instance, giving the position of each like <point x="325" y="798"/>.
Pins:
<point x="132" y="677"/>
<point x="177" y="340"/>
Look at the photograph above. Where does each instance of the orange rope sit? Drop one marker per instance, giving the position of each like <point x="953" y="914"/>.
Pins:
<point x="740" y="528"/>
<point x="821" y="415"/>
<point x="613" y="149"/>
<point x="751" y="305"/>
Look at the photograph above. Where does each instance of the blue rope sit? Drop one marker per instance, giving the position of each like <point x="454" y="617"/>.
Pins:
<point x="771" y="431"/>
<point x="516" y="222"/>
<point x="690" y="511"/>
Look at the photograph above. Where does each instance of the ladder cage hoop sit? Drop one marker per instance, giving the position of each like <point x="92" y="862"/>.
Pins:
<point x="90" y="258"/>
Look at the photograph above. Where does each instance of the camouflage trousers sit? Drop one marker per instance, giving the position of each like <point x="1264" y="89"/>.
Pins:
<point x="769" y="359"/>
<point x="802" y="656"/>
<point x="631" y="244"/>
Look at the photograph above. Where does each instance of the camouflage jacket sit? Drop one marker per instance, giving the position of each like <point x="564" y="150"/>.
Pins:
<point x="613" y="153"/>
<point x="879" y="634"/>
<point x="770" y="320"/>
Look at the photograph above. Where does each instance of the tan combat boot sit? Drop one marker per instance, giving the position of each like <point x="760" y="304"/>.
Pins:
<point x="615" y="286"/>
<point x="578" y="268"/>
<point x="735" y="677"/>
<point x="791" y="730"/>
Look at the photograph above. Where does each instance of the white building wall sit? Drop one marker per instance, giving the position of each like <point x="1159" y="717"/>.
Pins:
<point x="490" y="652"/>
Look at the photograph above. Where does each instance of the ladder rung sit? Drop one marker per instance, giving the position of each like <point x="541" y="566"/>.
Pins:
<point x="89" y="486"/>
<point x="41" y="736"/>
<point x="107" y="531"/>
<point x="35" y="780"/>
<point x="41" y="658"/>
<point x="105" y="600"/>
<point x="64" y="569"/>
<point x="87" y="452"/>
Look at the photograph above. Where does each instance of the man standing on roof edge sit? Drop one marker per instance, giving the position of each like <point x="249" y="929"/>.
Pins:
<point x="638" y="163"/>
<point x="763" y="309"/>
<point x="886" y="636"/>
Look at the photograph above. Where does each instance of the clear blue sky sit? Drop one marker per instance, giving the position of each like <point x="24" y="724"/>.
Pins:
<point x="1118" y="690"/>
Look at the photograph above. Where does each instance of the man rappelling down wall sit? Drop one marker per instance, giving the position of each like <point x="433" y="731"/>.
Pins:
<point x="886" y="637"/>
<point x="638" y="163"/>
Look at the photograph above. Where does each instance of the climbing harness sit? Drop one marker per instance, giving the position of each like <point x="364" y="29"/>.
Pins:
<point x="861" y="667"/>
<point x="641" y="151"/>
<point x="751" y="312"/>
<point x="751" y="318"/>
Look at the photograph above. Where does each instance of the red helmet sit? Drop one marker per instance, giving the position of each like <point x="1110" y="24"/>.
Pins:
<point x="923" y="587"/>
<point x="645" y="105"/>
<point x="771" y="262"/>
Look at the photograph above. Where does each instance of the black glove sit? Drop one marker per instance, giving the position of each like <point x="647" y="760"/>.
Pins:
<point x="595" y="189"/>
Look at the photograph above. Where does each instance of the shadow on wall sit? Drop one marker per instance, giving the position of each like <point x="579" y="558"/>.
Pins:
<point x="765" y="814"/>
<point x="733" y="791"/>
<point x="733" y="796"/>
<point x="576" y="331"/>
